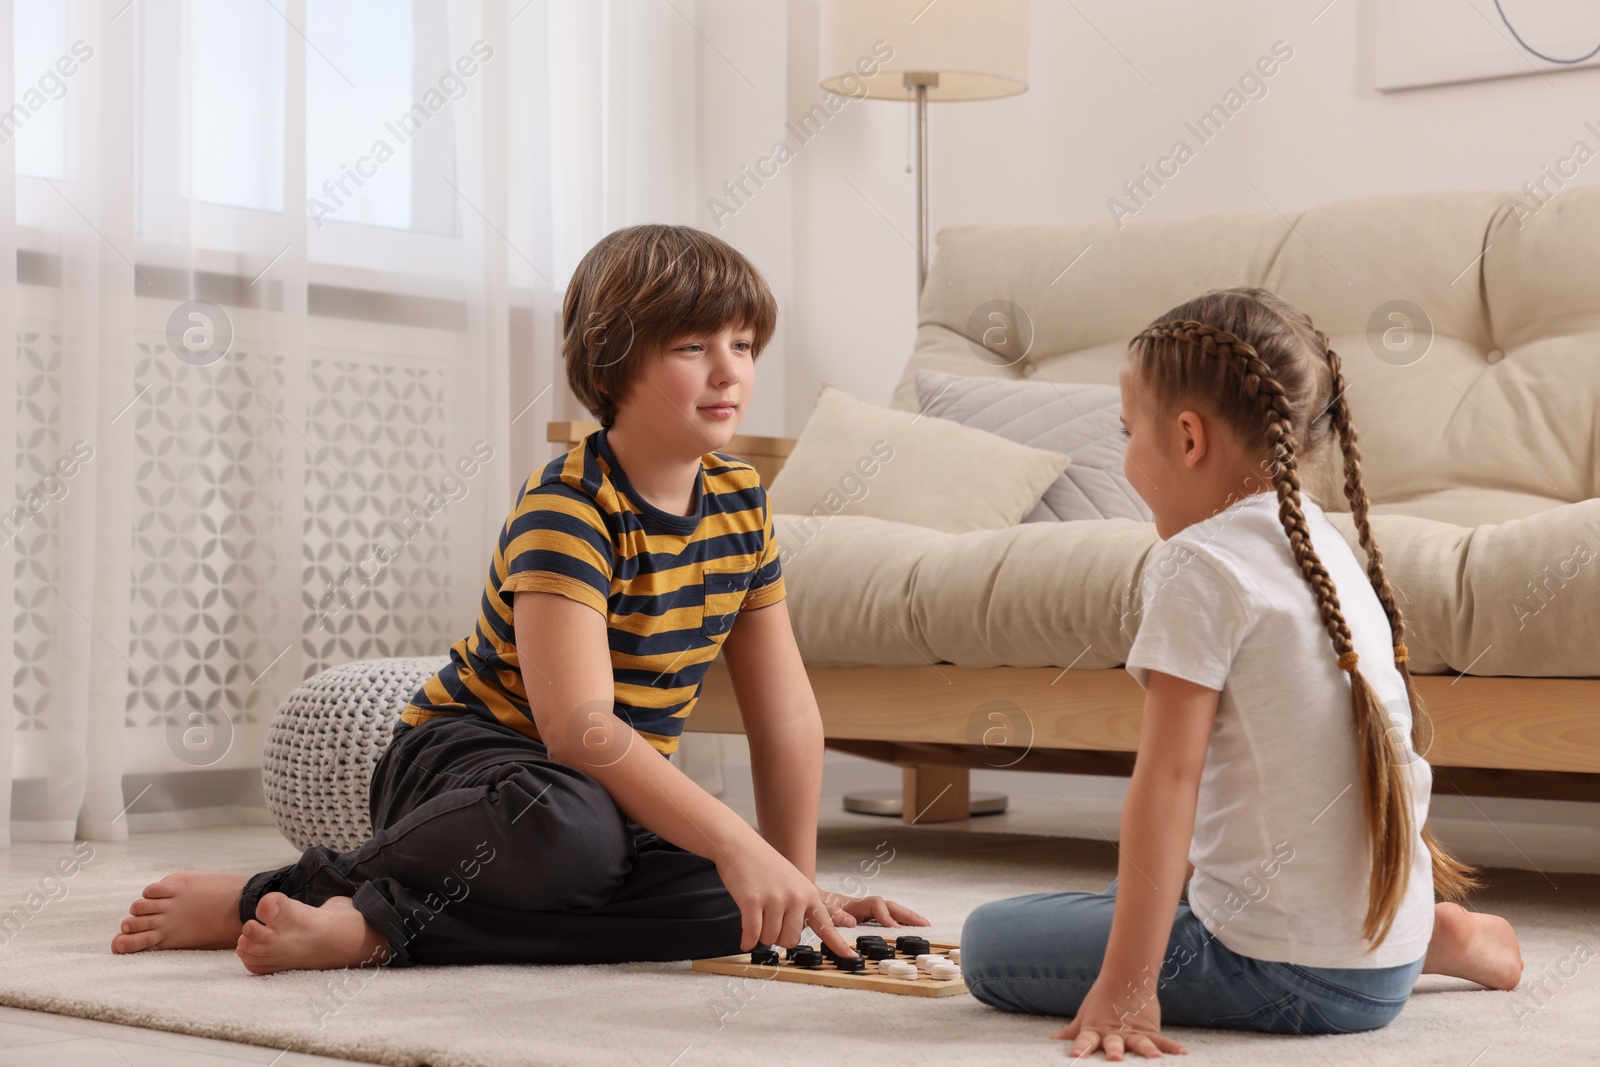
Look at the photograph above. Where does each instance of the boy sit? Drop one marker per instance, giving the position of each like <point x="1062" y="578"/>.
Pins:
<point x="526" y="781"/>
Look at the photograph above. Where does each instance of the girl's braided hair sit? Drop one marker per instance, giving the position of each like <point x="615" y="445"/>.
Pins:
<point x="1254" y="361"/>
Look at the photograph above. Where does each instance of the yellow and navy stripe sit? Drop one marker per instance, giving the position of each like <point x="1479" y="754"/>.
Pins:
<point x="670" y="588"/>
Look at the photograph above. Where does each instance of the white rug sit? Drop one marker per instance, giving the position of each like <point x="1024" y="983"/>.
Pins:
<point x="665" y="1015"/>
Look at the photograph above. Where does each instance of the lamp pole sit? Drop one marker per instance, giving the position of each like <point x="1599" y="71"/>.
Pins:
<point x="920" y="83"/>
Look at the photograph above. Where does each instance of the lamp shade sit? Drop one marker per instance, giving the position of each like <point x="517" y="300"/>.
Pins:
<point x="978" y="48"/>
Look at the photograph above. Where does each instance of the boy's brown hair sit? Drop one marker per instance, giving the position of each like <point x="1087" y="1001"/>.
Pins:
<point x="1250" y="358"/>
<point x="641" y="287"/>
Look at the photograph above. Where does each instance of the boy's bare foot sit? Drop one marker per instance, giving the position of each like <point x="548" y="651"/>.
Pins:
<point x="184" y="910"/>
<point x="289" y="935"/>
<point x="1472" y="945"/>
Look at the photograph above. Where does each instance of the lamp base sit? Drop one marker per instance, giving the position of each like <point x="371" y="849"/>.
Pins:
<point x="889" y="803"/>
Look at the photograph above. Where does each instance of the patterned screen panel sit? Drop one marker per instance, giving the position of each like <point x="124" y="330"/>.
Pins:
<point x="31" y="534"/>
<point x="213" y="622"/>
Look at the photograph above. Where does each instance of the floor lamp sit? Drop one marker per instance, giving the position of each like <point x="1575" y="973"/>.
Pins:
<point x="924" y="51"/>
<point x="937" y="50"/>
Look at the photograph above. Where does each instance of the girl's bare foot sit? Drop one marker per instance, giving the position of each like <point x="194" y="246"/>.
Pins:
<point x="184" y="910"/>
<point x="288" y="935"/>
<point x="1472" y="945"/>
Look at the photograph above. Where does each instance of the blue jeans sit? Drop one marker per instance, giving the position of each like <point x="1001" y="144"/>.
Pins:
<point x="1040" y="954"/>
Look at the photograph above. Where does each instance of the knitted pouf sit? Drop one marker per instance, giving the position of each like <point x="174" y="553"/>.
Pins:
<point x="326" y="739"/>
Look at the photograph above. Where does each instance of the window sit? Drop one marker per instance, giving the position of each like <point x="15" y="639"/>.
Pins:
<point x="232" y="129"/>
<point x="358" y="90"/>
<point x="214" y="130"/>
<point x="37" y="119"/>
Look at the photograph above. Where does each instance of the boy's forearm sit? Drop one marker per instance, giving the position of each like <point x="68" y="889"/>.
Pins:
<point x="786" y="766"/>
<point x="784" y="728"/>
<point x="664" y="800"/>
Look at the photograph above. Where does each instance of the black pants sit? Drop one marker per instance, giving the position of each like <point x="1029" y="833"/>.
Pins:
<point x="485" y="850"/>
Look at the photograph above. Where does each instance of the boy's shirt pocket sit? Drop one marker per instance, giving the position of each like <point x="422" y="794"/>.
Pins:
<point x="724" y="593"/>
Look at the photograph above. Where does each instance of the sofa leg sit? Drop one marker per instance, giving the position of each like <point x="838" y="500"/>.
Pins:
<point x="934" y="793"/>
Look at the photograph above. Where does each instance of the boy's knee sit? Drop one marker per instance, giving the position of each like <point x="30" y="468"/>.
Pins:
<point x="576" y="838"/>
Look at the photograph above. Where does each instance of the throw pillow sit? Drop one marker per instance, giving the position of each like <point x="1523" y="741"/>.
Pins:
<point x="863" y="459"/>
<point x="1080" y="420"/>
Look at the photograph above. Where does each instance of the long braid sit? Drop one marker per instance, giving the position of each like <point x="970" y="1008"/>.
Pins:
<point x="1355" y="493"/>
<point x="1386" y="800"/>
<point x="1452" y="879"/>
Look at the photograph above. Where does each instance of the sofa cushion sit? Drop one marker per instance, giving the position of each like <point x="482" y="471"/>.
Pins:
<point x="865" y="591"/>
<point x="1512" y="599"/>
<point x="1080" y="420"/>
<point x="1460" y="505"/>
<point x="932" y="472"/>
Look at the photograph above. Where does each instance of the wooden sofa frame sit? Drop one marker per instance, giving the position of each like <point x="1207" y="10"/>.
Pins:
<point x="1511" y="737"/>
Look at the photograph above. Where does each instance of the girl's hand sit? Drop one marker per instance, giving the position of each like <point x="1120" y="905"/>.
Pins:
<point x="1116" y="1021"/>
<point x="846" y="911"/>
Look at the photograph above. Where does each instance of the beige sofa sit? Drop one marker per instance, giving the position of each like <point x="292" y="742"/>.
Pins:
<point x="1002" y="648"/>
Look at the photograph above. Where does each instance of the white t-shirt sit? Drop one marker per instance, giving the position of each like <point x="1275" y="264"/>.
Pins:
<point x="1279" y="847"/>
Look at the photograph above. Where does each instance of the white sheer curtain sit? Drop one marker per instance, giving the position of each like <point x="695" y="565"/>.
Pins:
<point x="623" y="118"/>
<point x="204" y="503"/>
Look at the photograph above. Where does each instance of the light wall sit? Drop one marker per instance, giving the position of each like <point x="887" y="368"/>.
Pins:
<point x="1111" y="85"/>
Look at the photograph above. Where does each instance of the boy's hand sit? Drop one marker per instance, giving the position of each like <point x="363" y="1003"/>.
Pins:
<point x="776" y="901"/>
<point x="846" y="911"/>
<point x="1130" y="1022"/>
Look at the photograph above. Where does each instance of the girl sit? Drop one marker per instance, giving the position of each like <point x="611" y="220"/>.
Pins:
<point x="1290" y="775"/>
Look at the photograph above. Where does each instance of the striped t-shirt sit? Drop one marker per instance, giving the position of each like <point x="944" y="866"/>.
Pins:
<point x="670" y="587"/>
